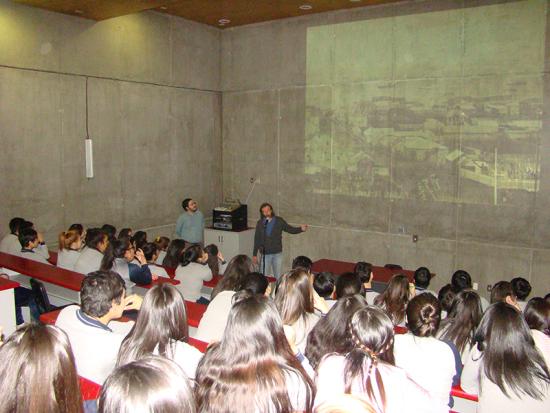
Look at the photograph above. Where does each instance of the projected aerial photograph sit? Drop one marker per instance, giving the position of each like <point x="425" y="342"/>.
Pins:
<point x="415" y="138"/>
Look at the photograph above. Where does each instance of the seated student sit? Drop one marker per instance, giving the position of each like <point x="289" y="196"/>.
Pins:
<point x="29" y="241"/>
<point x="522" y="289"/>
<point x="214" y="319"/>
<point x="303" y="262"/>
<point x="323" y="284"/>
<point x="422" y="277"/>
<point x="70" y="244"/>
<point x="368" y="370"/>
<point x="296" y="302"/>
<point x="110" y="230"/>
<point x="347" y="284"/>
<point x="395" y="298"/>
<point x="161" y="328"/>
<point x="446" y="297"/>
<point x="152" y="384"/>
<point x="537" y="317"/>
<point x="80" y="229"/>
<point x="461" y="324"/>
<point x="151" y="252"/>
<point x="234" y="276"/>
<point x="126" y="233"/>
<point x="174" y="253"/>
<point x="38" y="372"/>
<point x="253" y="367"/>
<point x="506" y="368"/>
<point x="364" y="271"/>
<point x="433" y="364"/>
<point x="192" y="272"/>
<point x="118" y="257"/>
<point x="502" y="291"/>
<point x="461" y="280"/>
<point x="10" y="243"/>
<point x="162" y="245"/>
<point x="94" y="335"/>
<point x="215" y="262"/>
<point x="91" y="256"/>
<point x="330" y="334"/>
<point x="139" y="239"/>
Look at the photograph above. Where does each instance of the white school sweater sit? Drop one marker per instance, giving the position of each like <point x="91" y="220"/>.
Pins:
<point x="191" y="278"/>
<point x="10" y="244"/>
<point x="214" y="319"/>
<point x="429" y="362"/>
<point x="89" y="261"/>
<point x="66" y="258"/>
<point x="95" y="347"/>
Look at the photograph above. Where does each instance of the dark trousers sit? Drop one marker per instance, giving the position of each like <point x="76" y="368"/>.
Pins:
<point x="25" y="298"/>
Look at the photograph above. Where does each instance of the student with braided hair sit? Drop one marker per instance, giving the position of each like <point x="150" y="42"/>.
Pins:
<point x="368" y="370"/>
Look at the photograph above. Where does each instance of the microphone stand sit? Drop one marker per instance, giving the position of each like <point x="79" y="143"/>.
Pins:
<point x="263" y="246"/>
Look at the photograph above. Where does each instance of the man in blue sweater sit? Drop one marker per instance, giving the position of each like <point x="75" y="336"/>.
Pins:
<point x="190" y="225"/>
<point x="268" y="239"/>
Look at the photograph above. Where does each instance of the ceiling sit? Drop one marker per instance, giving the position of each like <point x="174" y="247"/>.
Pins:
<point x="211" y="12"/>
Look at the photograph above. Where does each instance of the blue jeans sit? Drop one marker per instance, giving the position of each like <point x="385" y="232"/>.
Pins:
<point x="25" y="298"/>
<point x="273" y="264"/>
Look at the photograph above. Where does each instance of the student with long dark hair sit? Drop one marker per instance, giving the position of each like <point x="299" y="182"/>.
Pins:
<point x="90" y="258"/>
<point x="216" y="261"/>
<point x="330" y="334"/>
<point x="431" y="363"/>
<point x="38" y="373"/>
<point x="70" y="244"/>
<point x="502" y="291"/>
<point x="506" y="369"/>
<point x="152" y="384"/>
<point x="151" y="252"/>
<point x="349" y="283"/>
<point x="295" y="300"/>
<point x="162" y="244"/>
<point x="537" y="316"/>
<point x="139" y="239"/>
<point x="161" y="328"/>
<point x="368" y="370"/>
<point x="192" y="272"/>
<point x="395" y="298"/>
<point x="461" y="323"/>
<point x="174" y="253"/>
<point x="233" y="277"/>
<point x="119" y="256"/>
<point x="446" y="297"/>
<point x="252" y="368"/>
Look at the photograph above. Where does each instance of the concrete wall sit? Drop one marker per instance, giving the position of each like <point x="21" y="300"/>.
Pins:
<point x="154" y="116"/>
<point x="269" y="83"/>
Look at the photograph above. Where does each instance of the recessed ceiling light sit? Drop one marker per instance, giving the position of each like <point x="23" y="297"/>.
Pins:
<point x="305" y="7"/>
<point x="78" y="11"/>
<point x="224" y="21"/>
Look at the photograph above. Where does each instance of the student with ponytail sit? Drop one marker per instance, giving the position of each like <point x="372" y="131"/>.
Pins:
<point x="368" y="370"/>
<point x="70" y="243"/>
<point x="433" y="364"/>
<point x="118" y="258"/>
<point x="191" y="273"/>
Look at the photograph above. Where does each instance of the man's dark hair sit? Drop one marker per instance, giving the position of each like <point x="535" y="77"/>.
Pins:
<point x="364" y="271"/>
<point x="264" y="205"/>
<point x="255" y="282"/>
<point x="15" y="223"/>
<point x="422" y="277"/>
<point x="110" y="230"/>
<point x="461" y="280"/>
<point x="303" y="262"/>
<point x="98" y="290"/>
<point x="185" y="203"/>
<point x="348" y="284"/>
<point x="26" y="236"/>
<point x="323" y="283"/>
<point x="521" y="287"/>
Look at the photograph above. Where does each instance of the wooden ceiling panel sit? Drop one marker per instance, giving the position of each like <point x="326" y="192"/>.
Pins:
<point x="238" y="12"/>
<point x="95" y="9"/>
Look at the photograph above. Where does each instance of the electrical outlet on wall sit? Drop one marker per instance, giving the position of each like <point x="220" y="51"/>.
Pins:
<point x="475" y="286"/>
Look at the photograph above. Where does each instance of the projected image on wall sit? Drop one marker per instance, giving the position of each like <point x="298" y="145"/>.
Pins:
<point x="442" y="106"/>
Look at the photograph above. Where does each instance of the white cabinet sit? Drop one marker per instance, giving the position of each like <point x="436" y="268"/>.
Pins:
<point x="231" y="243"/>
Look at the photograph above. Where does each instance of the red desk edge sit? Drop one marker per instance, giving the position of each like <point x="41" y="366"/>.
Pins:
<point x="6" y="284"/>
